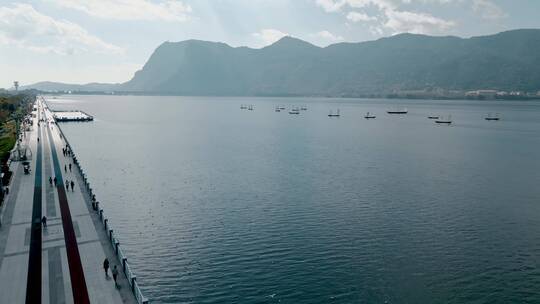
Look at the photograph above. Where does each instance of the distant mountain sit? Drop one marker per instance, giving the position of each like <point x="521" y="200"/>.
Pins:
<point x="49" y="86"/>
<point x="290" y="67"/>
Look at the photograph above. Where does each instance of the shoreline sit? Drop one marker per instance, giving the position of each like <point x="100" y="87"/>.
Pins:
<point x="367" y="96"/>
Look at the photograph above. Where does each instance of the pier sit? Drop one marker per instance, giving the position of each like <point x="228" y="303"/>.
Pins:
<point x="61" y="116"/>
<point x="62" y="261"/>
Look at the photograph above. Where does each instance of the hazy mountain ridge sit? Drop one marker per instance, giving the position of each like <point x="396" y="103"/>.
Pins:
<point x="504" y="61"/>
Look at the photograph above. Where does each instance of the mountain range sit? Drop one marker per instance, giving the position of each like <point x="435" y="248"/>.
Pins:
<point x="292" y="67"/>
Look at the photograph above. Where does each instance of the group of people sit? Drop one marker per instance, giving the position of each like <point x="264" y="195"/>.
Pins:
<point x="114" y="271"/>
<point x="66" y="151"/>
<point x="54" y="181"/>
<point x="68" y="183"/>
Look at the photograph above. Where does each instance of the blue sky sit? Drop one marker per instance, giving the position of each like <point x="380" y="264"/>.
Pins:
<point x="80" y="41"/>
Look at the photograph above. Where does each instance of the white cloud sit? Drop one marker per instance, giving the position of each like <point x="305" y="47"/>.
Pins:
<point x="326" y="35"/>
<point x="331" y="5"/>
<point x="21" y="25"/>
<point x="168" y="10"/>
<point x="360" y="17"/>
<point x="488" y="9"/>
<point x="418" y="23"/>
<point x="393" y="18"/>
<point x="269" y="36"/>
<point x="375" y="30"/>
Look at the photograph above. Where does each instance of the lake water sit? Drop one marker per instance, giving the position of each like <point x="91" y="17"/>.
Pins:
<point x="214" y="204"/>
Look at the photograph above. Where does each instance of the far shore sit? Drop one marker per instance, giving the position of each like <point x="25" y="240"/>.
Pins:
<point x="364" y="96"/>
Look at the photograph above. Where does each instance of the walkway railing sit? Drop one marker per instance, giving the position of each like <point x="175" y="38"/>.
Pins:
<point x="115" y="243"/>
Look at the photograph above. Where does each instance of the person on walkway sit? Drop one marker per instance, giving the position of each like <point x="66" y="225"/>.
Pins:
<point x="65" y="168"/>
<point x="55" y="180"/>
<point x="50" y="180"/>
<point x="44" y="221"/>
<point x="38" y="139"/>
<point x="67" y="185"/>
<point x="115" y="274"/>
<point x="7" y="190"/>
<point x="72" y="185"/>
<point x="106" y="267"/>
<point x="70" y="167"/>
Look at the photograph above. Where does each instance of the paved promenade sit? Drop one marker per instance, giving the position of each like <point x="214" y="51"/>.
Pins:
<point x="62" y="262"/>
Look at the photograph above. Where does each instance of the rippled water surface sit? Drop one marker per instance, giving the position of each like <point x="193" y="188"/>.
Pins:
<point x="214" y="204"/>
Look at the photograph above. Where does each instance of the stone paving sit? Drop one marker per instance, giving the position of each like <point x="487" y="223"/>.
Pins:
<point x="58" y="261"/>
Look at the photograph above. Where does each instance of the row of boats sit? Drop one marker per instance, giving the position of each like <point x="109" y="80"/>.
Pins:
<point x="439" y="119"/>
<point x="293" y="110"/>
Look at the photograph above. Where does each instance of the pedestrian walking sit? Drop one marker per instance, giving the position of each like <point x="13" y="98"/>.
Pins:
<point x="7" y="190"/>
<point x="55" y="181"/>
<point x="115" y="274"/>
<point x="65" y="168"/>
<point x="67" y="185"/>
<point x="72" y="185"/>
<point x="106" y="267"/>
<point x="44" y="221"/>
<point x="50" y="180"/>
<point x="70" y="167"/>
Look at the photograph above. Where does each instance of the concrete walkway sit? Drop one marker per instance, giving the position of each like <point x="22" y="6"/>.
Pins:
<point x="60" y="263"/>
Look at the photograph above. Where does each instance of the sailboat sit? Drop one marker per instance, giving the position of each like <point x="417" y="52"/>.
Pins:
<point x="331" y="114"/>
<point x="433" y="116"/>
<point x="369" y="116"/>
<point x="446" y="121"/>
<point x="277" y="109"/>
<point x="492" y="117"/>
<point x="250" y="107"/>
<point x="243" y="107"/>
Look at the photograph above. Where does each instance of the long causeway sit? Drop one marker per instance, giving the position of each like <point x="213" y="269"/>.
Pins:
<point x="61" y="262"/>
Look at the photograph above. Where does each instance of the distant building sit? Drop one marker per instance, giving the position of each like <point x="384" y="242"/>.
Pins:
<point x="16" y="85"/>
<point x="482" y="93"/>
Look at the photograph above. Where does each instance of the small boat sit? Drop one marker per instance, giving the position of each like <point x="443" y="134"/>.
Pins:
<point x="250" y="108"/>
<point x="433" y="117"/>
<point x="492" y="117"/>
<point x="281" y="107"/>
<point x="303" y="108"/>
<point x="243" y="107"/>
<point x="294" y="111"/>
<point x="443" y="121"/>
<point x="398" y="111"/>
<point x="369" y="116"/>
<point x="277" y="109"/>
<point x="331" y="114"/>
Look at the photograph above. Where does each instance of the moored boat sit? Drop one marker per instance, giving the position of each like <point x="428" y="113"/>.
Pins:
<point x="443" y="121"/>
<point x="294" y="111"/>
<point x="492" y="117"/>
<point x="332" y="114"/>
<point x="369" y="116"/>
<point x="398" y="111"/>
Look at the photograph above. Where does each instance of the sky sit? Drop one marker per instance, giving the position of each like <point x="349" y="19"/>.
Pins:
<point x="81" y="41"/>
